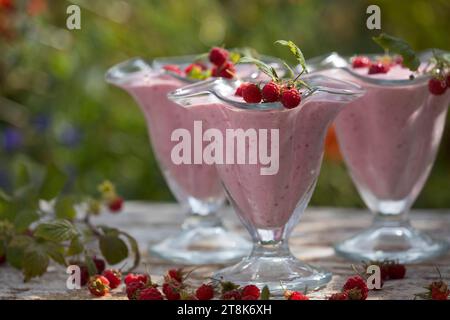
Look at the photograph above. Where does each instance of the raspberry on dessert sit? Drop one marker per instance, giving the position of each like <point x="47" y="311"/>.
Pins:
<point x="396" y="271"/>
<point x="437" y="86"/>
<point x="295" y="295"/>
<point x="239" y="89"/>
<point x="150" y="294"/>
<point x="99" y="264"/>
<point x="251" y="290"/>
<point x="360" y="62"/>
<point x="195" y="65"/>
<point x="290" y="98"/>
<point x="339" y="296"/>
<point x="227" y="70"/>
<point x="232" y="295"/>
<point x="356" y="288"/>
<point x="170" y="291"/>
<point x="116" y="204"/>
<point x="218" y="56"/>
<point x="271" y="92"/>
<point x="98" y="286"/>
<point x="251" y="93"/>
<point x="173" y="68"/>
<point x="205" y="292"/>
<point x="114" y="277"/>
<point x="378" y="68"/>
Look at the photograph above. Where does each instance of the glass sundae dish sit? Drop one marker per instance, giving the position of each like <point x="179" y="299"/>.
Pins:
<point x="282" y="149"/>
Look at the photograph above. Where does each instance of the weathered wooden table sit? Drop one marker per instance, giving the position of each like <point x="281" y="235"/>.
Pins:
<point x="311" y="241"/>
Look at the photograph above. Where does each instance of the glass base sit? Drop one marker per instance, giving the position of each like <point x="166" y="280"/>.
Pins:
<point x="399" y="242"/>
<point x="202" y="245"/>
<point x="278" y="273"/>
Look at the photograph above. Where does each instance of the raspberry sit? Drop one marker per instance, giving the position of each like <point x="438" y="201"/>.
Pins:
<point x="218" y="56"/>
<point x="360" y="62"/>
<point x="98" y="286"/>
<point x="251" y="93"/>
<point x="295" y="295"/>
<point x="132" y="278"/>
<point x="193" y="66"/>
<point x="271" y="92"/>
<point x="251" y="290"/>
<point x="133" y="289"/>
<point x="378" y="68"/>
<point x="99" y="264"/>
<point x="227" y="70"/>
<point x="339" y="296"/>
<point x="396" y="271"/>
<point x="239" y="89"/>
<point x="150" y="294"/>
<point x="175" y="274"/>
<point x="173" y="68"/>
<point x="437" y="86"/>
<point x="205" y="292"/>
<point x="356" y="287"/>
<point x="249" y="298"/>
<point x="290" y="98"/>
<point x="232" y="295"/>
<point x="114" y="277"/>
<point x="116" y="204"/>
<point x="170" y="291"/>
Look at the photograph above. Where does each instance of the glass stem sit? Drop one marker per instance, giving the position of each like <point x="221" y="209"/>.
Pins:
<point x="391" y="220"/>
<point x="194" y="220"/>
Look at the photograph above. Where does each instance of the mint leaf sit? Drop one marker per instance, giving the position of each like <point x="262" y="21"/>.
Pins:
<point x="53" y="183"/>
<point x="57" y="230"/>
<point x="265" y="293"/>
<point x="401" y="47"/>
<point x="113" y="249"/>
<point x="296" y="51"/>
<point x="264" y="67"/>
<point x="35" y="262"/>
<point x="64" y="208"/>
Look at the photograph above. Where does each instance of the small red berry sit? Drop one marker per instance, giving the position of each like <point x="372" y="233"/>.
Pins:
<point x="195" y="65"/>
<point x="339" y="296"/>
<point x="239" y="89"/>
<point x="173" y="68"/>
<point x="232" y="295"/>
<point x="378" y="68"/>
<point x="290" y="98"/>
<point x="356" y="287"/>
<point x="295" y="295"/>
<point x="98" y="286"/>
<point x="99" y="264"/>
<point x="271" y="92"/>
<point x="132" y="278"/>
<point x="227" y="70"/>
<point x="170" y="291"/>
<point x="175" y="274"/>
<point x="84" y="275"/>
<point x="116" y="204"/>
<point x="251" y="290"/>
<point x="133" y="289"/>
<point x="251" y="93"/>
<point x="360" y="62"/>
<point x="437" y="86"/>
<point x="249" y="298"/>
<point x="205" y="292"/>
<point x="396" y="271"/>
<point x="114" y="277"/>
<point x="439" y="290"/>
<point x="218" y="56"/>
<point x="150" y="294"/>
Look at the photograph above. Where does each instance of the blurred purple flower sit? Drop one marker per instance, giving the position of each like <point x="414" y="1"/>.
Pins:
<point x="12" y="139"/>
<point x="71" y="136"/>
<point x="41" y="122"/>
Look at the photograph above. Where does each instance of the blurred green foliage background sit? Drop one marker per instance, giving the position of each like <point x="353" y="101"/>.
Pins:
<point x="56" y="107"/>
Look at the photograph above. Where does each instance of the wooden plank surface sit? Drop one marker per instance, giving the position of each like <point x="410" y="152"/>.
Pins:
<point x="311" y="241"/>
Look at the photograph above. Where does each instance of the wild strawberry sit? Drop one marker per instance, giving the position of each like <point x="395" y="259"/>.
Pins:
<point x="439" y="290"/>
<point x="239" y="89"/>
<point x="271" y="92"/>
<point x="360" y="62"/>
<point x="175" y="274"/>
<point x="150" y="294"/>
<point x="295" y="295"/>
<point x="116" y="204"/>
<point x="251" y="93"/>
<point x="218" y="56"/>
<point x="356" y="288"/>
<point x="170" y="291"/>
<point x="133" y="289"/>
<point x="339" y="296"/>
<point x="227" y="71"/>
<point x="437" y="86"/>
<point x="131" y="278"/>
<point x="396" y="271"/>
<point x="98" y="286"/>
<point x="205" y="292"/>
<point x="290" y="98"/>
<point x="173" y="68"/>
<point x="251" y="290"/>
<point x="378" y="67"/>
<point x="195" y="65"/>
<point x="99" y="264"/>
<point x="249" y="298"/>
<point x="114" y="277"/>
<point x="232" y="295"/>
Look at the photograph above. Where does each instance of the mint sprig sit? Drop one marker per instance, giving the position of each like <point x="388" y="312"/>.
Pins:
<point x="264" y="67"/>
<point x="401" y="47"/>
<point x="295" y="51"/>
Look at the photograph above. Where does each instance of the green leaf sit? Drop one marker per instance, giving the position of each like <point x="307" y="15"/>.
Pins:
<point x="64" y="208"/>
<point x="134" y="248"/>
<point x="401" y="47"/>
<point x="90" y="264"/>
<point x="296" y="51"/>
<point x="24" y="218"/>
<point x="21" y="174"/>
<point x="265" y="68"/>
<point x="75" y="247"/>
<point x="265" y="293"/>
<point x="113" y="249"/>
<point x="35" y="262"/>
<point x="8" y="207"/>
<point x="53" y="183"/>
<point x="56" y="252"/>
<point x="57" y="230"/>
<point x="15" y="250"/>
